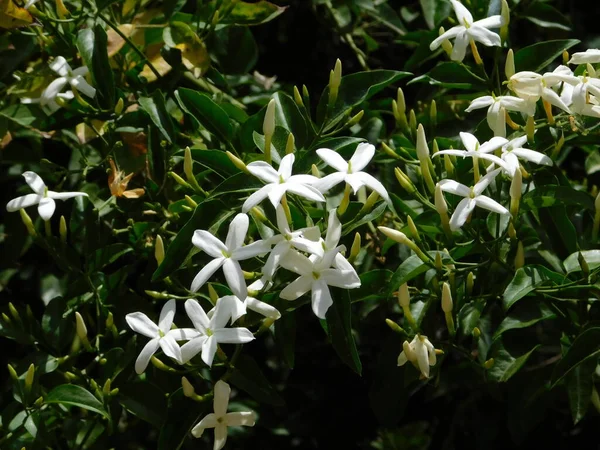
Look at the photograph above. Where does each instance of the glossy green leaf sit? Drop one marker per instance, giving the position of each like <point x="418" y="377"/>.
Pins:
<point x="428" y="8"/>
<point x="559" y="229"/>
<point x="592" y="258"/>
<point x="580" y="384"/>
<point x="179" y="248"/>
<point x="551" y="195"/>
<point x="215" y="160"/>
<point x="592" y="162"/>
<point x="451" y="75"/>
<point x="92" y="45"/>
<point x="410" y="268"/>
<point x="468" y="317"/>
<point x="73" y="395"/>
<point x="507" y="362"/>
<point x="248" y="377"/>
<point x="339" y="327"/>
<point x="363" y="219"/>
<point x="524" y="315"/>
<point x="245" y="13"/>
<point x="287" y="115"/>
<point x="585" y="347"/>
<point x="538" y="56"/>
<point x="546" y="16"/>
<point x="156" y="109"/>
<point x="525" y="281"/>
<point x="210" y="115"/>
<point x="235" y="49"/>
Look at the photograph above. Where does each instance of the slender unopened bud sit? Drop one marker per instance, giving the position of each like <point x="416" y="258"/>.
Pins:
<point x="13" y="373"/>
<point x="191" y="202"/>
<point x="62" y="230"/>
<point x="512" y="231"/>
<point x="269" y="129"/>
<point x="335" y="79"/>
<point x="435" y="147"/>
<point x="14" y="312"/>
<point x="505" y="14"/>
<point x="476" y="333"/>
<point x="315" y="171"/>
<point x="237" y="162"/>
<point x="412" y="122"/>
<point x="565" y="57"/>
<point x="596" y="225"/>
<point x="355" y="249"/>
<point x="438" y="262"/>
<point x="516" y="187"/>
<point x="401" y="103"/>
<point x="289" y="146"/>
<point x="119" y="106"/>
<point x="442" y="209"/>
<point x="404" y="180"/>
<point x="188" y="389"/>
<point x="389" y="151"/>
<point x="158" y="295"/>
<point x="5" y="318"/>
<point x="410" y="354"/>
<point x="519" y="256"/>
<point x="590" y="70"/>
<point x="29" y="378"/>
<point x="298" y="97"/>
<point x="306" y="97"/>
<point x="395" y="327"/>
<point x="212" y="294"/>
<point x="447" y="303"/>
<point x="470" y="283"/>
<point x="258" y="214"/>
<point x="414" y="232"/>
<point x="356" y="118"/>
<point x="81" y="330"/>
<point x="404" y="296"/>
<point x="448" y="166"/>
<point x="401" y="238"/>
<point x="585" y="268"/>
<point x="110" y="320"/>
<point x="433" y="114"/>
<point x="107" y="387"/>
<point x="27" y="222"/>
<point x="371" y="200"/>
<point x="530" y="128"/>
<point x="180" y="180"/>
<point x="489" y="364"/>
<point x="159" y="249"/>
<point x="509" y="67"/>
<point x="424" y="159"/>
<point x="446" y="44"/>
<point x="188" y="164"/>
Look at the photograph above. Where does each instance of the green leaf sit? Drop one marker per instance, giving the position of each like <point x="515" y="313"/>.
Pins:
<point x="507" y="362"/>
<point x="468" y="317"/>
<point x="562" y="236"/>
<point x="537" y="56"/>
<point x="235" y="50"/>
<point x="287" y="115"/>
<point x="373" y="286"/>
<point x="369" y="217"/>
<point x="592" y="162"/>
<point x="215" y="160"/>
<point x="24" y="115"/>
<point x="524" y="315"/>
<point x="340" y="329"/>
<point x="525" y="281"/>
<point x="428" y="7"/>
<point x="253" y="13"/>
<point x="210" y="115"/>
<point x="156" y="109"/>
<point x="585" y="347"/>
<point x="107" y="255"/>
<point x="592" y="257"/>
<point x="410" y="268"/>
<point x="546" y="16"/>
<point x="551" y="195"/>
<point x="355" y="89"/>
<point x="93" y="45"/>
<point x="247" y="376"/>
<point x="386" y="15"/>
<point x="182" y="415"/>
<point x="179" y="248"/>
<point x="71" y="394"/>
<point x="451" y="75"/>
<point x="580" y="384"/>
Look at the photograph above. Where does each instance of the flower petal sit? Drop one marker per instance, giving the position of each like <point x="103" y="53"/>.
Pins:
<point x="197" y="315"/>
<point x="327" y="182"/>
<point x="238" y="419"/>
<point x="192" y="348"/>
<point x="53" y="89"/>
<point x="333" y="159"/>
<point x="184" y="334"/>
<point x="221" y="399"/>
<point x="451" y="33"/>
<point x="422" y="358"/>
<point x="485" y="36"/>
<point x="469" y="141"/>
<point x="209" y="421"/>
<point x="83" y="86"/>
<point x="373" y="183"/>
<point x="208" y="350"/>
<point x="60" y="66"/>
<point x="235" y="278"/>
<point x="208" y="243"/>
<point x="257" y="197"/>
<point x="492" y="145"/>
<point x="237" y="231"/>
<point x="140" y="323"/>
<point x="220" y="436"/>
<point x="46" y="208"/>
<point x="297" y="288"/>
<point x="480" y="102"/>
<point x="461" y="213"/>
<point x="297" y="263"/>
<point x="276" y="193"/>
<point x="346" y="279"/>
<point x="23" y="201"/>
<point x="462" y="13"/>
<point x="496" y="119"/>
<point x="170" y="348"/>
<point x="285" y="167"/>
<point x="206" y="272"/>
<point x="236" y="309"/>
<point x="362" y="156"/>
<point x="553" y="98"/>
<point x="35" y="182"/>
<point x="274" y="257"/>
<point x="334" y="230"/>
<point x="460" y="46"/>
<point x="305" y="191"/>
<point x="490" y="204"/>
<point x="259" y="247"/>
<point x="233" y="335"/>
<point x="65" y="195"/>
<point x="263" y="171"/>
<point x="490" y="22"/>
<point x="144" y="357"/>
<point x="321" y="298"/>
<point x="485" y="181"/>
<point x="454" y="187"/>
<point x="532" y="156"/>
<point x="262" y="308"/>
<point x="166" y="316"/>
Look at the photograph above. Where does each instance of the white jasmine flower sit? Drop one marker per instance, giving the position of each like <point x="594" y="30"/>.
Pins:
<point x="591" y="56"/>
<point x="532" y="86"/>
<point x="585" y="96"/>
<point x="513" y="150"/>
<point x="476" y="150"/>
<point x="420" y="352"/>
<point x="468" y="30"/>
<point x="42" y="197"/>
<point x="472" y="197"/>
<point x="227" y="255"/>
<point x="316" y="275"/>
<point x="305" y="239"/>
<point x="161" y="335"/>
<point x="280" y="182"/>
<point x="209" y="332"/>
<point x="238" y="307"/>
<point x="497" y="107"/>
<point x="220" y="419"/>
<point x="350" y="171"/>
<point x="74" y="78"/>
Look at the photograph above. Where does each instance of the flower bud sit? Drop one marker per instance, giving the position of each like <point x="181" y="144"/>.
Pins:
<point x="446" y="44"/>
<point x="476" y="333"/>
<point x="355" y="249"/>
<point x="520" y="256"/>
<point x="433" y="113"/>
<point x="448" y="166"/>
<point x="106" y="388"/>
<point x="447" y="303"/>
<point x="414" y="232"/>
<point x="435" y="147"/>
<point x="509" y="66"/>
<point x="371" y="200"/>
<point x="258" y="214"/>
<point x="440" y="202"/>
<point x="61" y="10"/>
<point x="530" y="128"/>
<point x="29" y="378"/>
<point x="315" y="171"/>
<point x="158" y="295"/>
<point x="412" y="122"/>
<point x="188" y="389"/>
<point x="237" y="162"/>
<point x="400" y="102"/>
<point x="512" y="232"/>
<point x="438" y="262"/>
<point x="335" y="79"/>
<point x="389" y="151"/>
<point x="298" y="97"/>
<point x="565" y="57"/>
<point x="179" y="180"/>
<point x="470" y="283"/>
<point x="404" y="296"/>
<point x="489" y="364"/>
<point x="408" y="351"/>
<point x="80" y="327"/>
<point x="516" y="187"/>
<point x="404" y="180"/>
<point x="28" y="223"/>
<point x="269" y="121"/>
<point x="188" y="164"/>
<point x="585" y="268"/>
<point x="212" y="294"/>
<point x="505" y="14"/>
<point x="394" y="235"/>
<point x="62" y="230"/>
<point x="119" y="106"/>
<point x="190" y="201"/>
<point x="13" y="373"/>
<point x="422" y="147"/>
<point x="14" y="312"/>
<point x="306" y="97"/>
<point x="6" y="318"/>
<point x="159" y="249"/>
<point x="395" y="327"/>
<point x="289" y="146"/>
<point x="356" y="118"/>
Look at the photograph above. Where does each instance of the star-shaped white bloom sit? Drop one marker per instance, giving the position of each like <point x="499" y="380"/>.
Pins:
<point x="420" y="352"/>
<point x="74" y="78"/>
<point x="227" y="255"/>
<point x="316" y="275"/>
<point x="476" y="150"/>
<point x="513" y="150"/>
<point x="238" y="307"/>
<point x="532" y="86"/>
<point x="43" y="197"/>
<point x="160" y="335"/>
<point x="279" y="182"/>
<point x="221" y="419"/>
<point x="468" y="30"/>
<point x="590" y="56"/>
<point x="585" y="96"/>
<point x="304" y="239"/>
<point x="497" y="107"/>
<point x="472" y="197"/>
<point x="350" y="171"/>
<point x="209" y="332"/>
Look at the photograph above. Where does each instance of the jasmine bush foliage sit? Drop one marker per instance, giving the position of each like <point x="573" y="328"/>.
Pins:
<point x="225" y="240"/>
